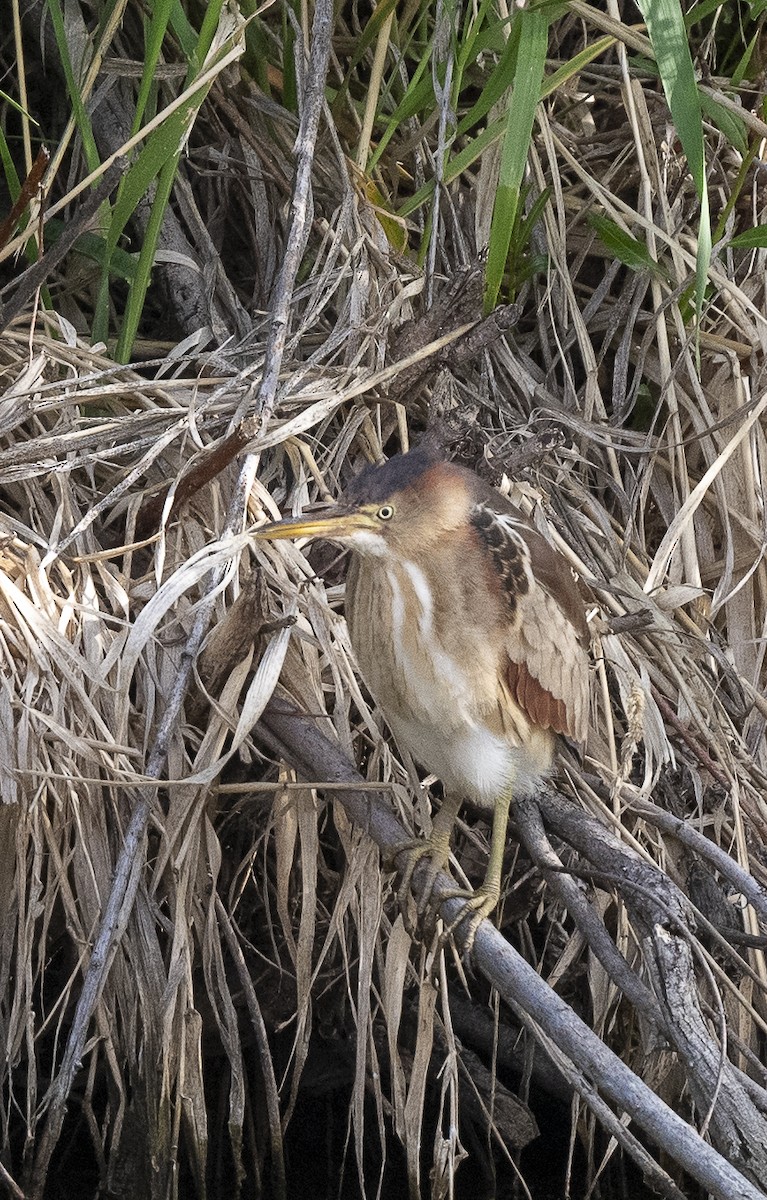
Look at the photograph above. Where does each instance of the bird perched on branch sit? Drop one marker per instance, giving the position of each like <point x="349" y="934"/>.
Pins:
<point x="470" y="633"/>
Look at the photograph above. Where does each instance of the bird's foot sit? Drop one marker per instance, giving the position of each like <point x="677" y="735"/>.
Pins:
<point x="479" y="904"/>
<point x="435" y="847"/>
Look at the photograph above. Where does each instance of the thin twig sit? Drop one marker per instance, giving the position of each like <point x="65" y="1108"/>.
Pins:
<point x="10" y="1183"/>
<point x="300" y="217"/>
<point x="264" y="1053"/>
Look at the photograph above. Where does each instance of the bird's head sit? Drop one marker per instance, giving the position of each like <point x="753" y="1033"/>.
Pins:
<point x="404" y="505"/>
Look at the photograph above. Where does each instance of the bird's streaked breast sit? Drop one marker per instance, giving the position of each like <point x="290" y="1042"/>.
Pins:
<point x="432" y="665"/>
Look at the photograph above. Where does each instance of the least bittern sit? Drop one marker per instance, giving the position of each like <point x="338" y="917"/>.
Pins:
<point x="470" y="633"/>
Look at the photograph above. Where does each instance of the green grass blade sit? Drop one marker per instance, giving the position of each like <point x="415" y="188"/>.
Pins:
<point x="576" y="64"/>
<point x="457" y="165"/>
<point x="83" y="121"/>
<point x="668" y="35"/>
<point x="496" y="84"/>
<point x="160" y="157"/>
<point x="157" y="160"/>
<point x="744" y="63"/>
<point x="161" y="14"/>
<point x="479" y="36"/>
<point x="121" y="264"/>
<point x="699" y="12"/>
<point x="727" y="122"/>
<point x="366" y="39"/>
<point x="137" y="294"/>
<point x="528" y="77"/>
<point x="419" y="92"/>
<point x="19" y="108"/>
<point x="9" y="168"/>
<point x="183" y="29"/>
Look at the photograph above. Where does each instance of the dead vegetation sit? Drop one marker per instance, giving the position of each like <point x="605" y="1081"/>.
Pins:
<point x="204" y="975"/>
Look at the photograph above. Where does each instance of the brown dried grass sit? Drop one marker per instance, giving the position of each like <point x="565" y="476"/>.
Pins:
<point x="264" y="930"/>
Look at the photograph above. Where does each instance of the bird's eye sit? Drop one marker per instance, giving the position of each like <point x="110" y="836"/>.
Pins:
<point x="385" y="512"/>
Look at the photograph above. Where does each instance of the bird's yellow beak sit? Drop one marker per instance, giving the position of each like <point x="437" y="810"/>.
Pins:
<point x="337" y="524"/>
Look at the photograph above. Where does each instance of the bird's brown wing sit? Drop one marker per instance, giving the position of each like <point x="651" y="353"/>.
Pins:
<point x="547" y="636"/>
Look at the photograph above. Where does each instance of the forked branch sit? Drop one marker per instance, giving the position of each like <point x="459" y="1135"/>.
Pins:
<point x="595" y="1066"/>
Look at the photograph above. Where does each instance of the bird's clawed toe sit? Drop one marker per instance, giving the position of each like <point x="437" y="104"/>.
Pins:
<point x="479" y="904"/>
<point x="436" y="849"/>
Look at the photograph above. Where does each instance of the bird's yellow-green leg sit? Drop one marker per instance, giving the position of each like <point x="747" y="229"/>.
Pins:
<point x="435" y="847"/>
<point x="484" y="900"/>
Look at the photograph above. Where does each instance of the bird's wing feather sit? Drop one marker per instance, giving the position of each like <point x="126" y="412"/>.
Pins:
<point x="547" y="668"/>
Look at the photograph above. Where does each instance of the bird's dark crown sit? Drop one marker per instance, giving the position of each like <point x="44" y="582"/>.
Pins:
<point x="377" y="483"/>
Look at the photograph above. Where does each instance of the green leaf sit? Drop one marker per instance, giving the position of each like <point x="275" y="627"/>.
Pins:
<point x="496" y="85"/>
<point x="457" y="165"/>
<point x="751" y="239"/>
<point x="161" y="15"/>
<point x="160" y="156"/>
<point x="624" y="246"/>
<point x="9" y="168"/>
<point x="158" y="159"/>
<point x="480" y="36"/>
<point x="668" y="35"/>
<point x="744" y="62"/>
<point x="576" y="64"/>
<point x="6" y="99"/>
<point x="183" y="29"/>
<point x="90" y="245"/>
<point x="726" y="121"/>
<point x="83" y="121"/>
<point x="419" y="93"/>
<point x="701" y="10"/>
<point x="534" y="213"/>
<point x="363" y="43"/>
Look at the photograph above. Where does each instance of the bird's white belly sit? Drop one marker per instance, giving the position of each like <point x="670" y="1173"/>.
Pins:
<point x="436" y="710"/>
<point x="474" y="761"/>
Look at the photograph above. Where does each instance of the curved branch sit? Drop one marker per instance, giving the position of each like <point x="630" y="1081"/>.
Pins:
<point x="665" y="917"/>
<point x="532" y="834"/>
<point x="692" y="839"/>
